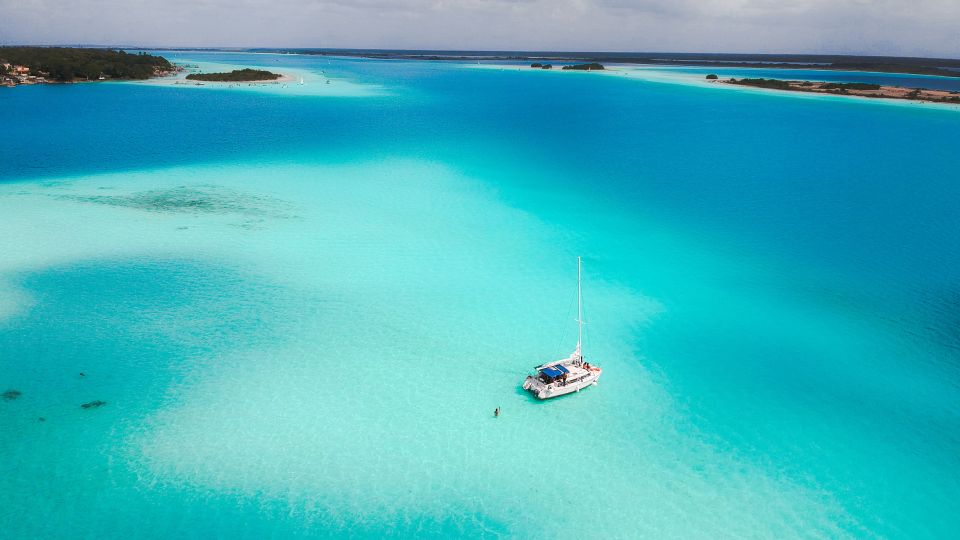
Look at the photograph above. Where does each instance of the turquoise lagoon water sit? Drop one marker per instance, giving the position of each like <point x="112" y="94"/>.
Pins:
<point x="302" y="305"/>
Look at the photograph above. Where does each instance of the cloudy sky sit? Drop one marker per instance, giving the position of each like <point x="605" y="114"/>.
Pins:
<point x="899" y="27"/>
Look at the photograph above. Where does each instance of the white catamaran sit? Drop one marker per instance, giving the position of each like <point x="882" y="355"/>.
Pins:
<point x="570" y="374"/>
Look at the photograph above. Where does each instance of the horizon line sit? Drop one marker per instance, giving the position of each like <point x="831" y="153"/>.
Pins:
<point x="496" y="51"/>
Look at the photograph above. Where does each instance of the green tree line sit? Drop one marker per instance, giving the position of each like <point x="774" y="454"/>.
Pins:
<point x="68" y="64"/>
<point x="237" y="75"/>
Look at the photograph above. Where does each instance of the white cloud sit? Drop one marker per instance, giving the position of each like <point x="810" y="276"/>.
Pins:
<point x="920" y="27"/>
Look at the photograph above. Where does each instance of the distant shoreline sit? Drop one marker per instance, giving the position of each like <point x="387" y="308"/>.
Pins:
<point x="935" y="67"/>
<point x="862" y="90"/>
<point x="906" y="65"/>
<point x="938" y="67"/>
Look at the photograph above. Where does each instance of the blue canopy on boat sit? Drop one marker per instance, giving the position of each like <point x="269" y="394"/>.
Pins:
<point x="554" y="371"/>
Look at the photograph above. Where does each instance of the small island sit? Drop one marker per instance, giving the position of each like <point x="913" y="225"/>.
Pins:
<point x="36" y="65"/>
<point x="593" y="66"/>
<point x="867" y="90"/>
<point x="575" y="67"/>
<point x="237" y="75"/>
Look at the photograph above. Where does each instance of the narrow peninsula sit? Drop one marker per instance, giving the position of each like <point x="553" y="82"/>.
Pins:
<point x="859" y="89"/>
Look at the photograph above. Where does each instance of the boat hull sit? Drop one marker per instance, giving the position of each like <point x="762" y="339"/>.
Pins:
<point x="547" y="391"/>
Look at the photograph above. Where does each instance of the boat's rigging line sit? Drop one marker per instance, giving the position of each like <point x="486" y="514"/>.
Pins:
<point x="570" y="374"/>
<point x="566" y="328"/>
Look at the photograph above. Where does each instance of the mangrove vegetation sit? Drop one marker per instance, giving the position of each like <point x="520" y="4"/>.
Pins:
<point x="237" y="75"/>
<point x="65" y="64"/>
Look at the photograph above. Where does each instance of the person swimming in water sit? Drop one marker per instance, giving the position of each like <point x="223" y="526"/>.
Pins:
<point x="496" y="412"/>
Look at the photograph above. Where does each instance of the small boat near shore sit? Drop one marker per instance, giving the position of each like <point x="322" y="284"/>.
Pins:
<point x="570" y="374"/>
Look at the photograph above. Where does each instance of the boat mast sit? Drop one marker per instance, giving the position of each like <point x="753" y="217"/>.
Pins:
<point x="579" y="314"/>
